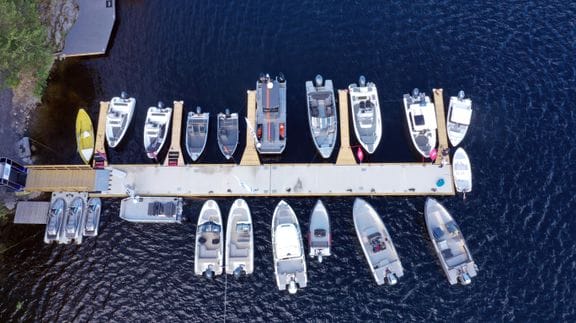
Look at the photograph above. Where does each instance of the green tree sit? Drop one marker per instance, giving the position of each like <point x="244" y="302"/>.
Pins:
<point x="24" y="44"/>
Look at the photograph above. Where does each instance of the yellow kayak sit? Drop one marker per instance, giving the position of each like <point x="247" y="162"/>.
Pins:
<point x="84" y="136"/>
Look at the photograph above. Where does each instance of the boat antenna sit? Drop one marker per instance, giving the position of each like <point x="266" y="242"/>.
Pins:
<point x="256" y="142"/>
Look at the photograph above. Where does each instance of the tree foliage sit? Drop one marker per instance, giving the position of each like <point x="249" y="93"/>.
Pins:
<point x="23" y="42"/>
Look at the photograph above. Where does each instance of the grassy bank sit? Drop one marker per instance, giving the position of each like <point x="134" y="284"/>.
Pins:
<point x="24" y="46"/>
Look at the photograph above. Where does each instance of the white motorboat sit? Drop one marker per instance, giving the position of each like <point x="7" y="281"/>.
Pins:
<point x="288" y="249"/>
<point x="72" y="228"/>
<point x="421" y="121"/>
<point x="377" y="244"/>
<point x="458" y="118"/>
<point x="239" y="240"/>
<point x="209" y="255"/>
<point x="366" y="115"/>
<point x="92" y="218"/>
<point x="449" y="244"/>
<point x="462" y="171"/>
<point x="156" y="129"/>
<point x="54" y="220"/>
<point x="228" y="133"/>
<point x="319" y="237"/>
<point x="151" y="209"/>
<point x="118" y="118"/>
<point x="196" y="132"/>
<point x="322" y="117"/>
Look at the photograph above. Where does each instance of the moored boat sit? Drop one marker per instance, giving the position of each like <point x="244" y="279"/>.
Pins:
<point x="151" y="209"/>
<point x="366" y="115"/>
<point x="421" y="120"/>
<point x="54" y="220"/>
<point x="271" y="114"/>
<point x="84" y="136"/>
<point x="319" y="237"/>
<point x="92" y="218"/>
<point x="462" y="171"/>
<point x="376" y="244"/>
<point x="72" y="229"/>
<point x="288" y="249"/>
<point x="322" y="117"/>
<point x="449" y="244"/>
<point x="208" y="258"/>
<point x="239" y="240"/>
<point x="458" y="118"/>
<point x="156" y="129"/>
<point x="228" y="133"/>
<point x="196" y="132"/>
<point x="118" y="118"/>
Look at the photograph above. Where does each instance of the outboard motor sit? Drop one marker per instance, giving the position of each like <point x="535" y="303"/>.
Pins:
<point x="124" y="95"/>
<point x="422" y="100"/>
<point x="198" y="110"/>
<point x="281" y="78"/>
<point x="239" y="272"/>
<point x="160" y="105"/>
<point x="319" y="257"/>
<point x="415" y="93"/>
<point x="461" y="95"/>
<point x="261" y="78"/>
<point x="209" y="273"/>
<point x="391" y="278"/>
<point x="292" y="289"/>
<point x="362" y="80"/>
<point x="464" y="278"/>
<point x="227" y="112"/>
<point x="318" y="79"/>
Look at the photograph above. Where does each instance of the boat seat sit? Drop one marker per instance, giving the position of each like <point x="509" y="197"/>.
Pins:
<point x="438" y="233"/>
<point x="452" y="227"/>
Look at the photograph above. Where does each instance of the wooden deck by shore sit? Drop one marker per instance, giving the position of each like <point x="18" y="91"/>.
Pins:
<point x="250" y="178"/>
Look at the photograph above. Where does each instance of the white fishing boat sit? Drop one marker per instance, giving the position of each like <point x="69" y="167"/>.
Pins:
<point x="319" y="238"/>
<point x="366" y="115"/>
<point x="462" y="171"/>
<point x="421" y="121"/>
<point x="322" y="117"/>
<point x="288" y="249"/>
<point x="54" y="220"/>
<point x="209" y="255"/>
<point x="458" y="118"/>
<point x="449" y="244"/>
<point x="151" y="209"/>
<point x="156" y="129"/>
<point x="72" y="228"/>
<point x="92" y="218"/>
<point x="376" y="244"/>
<point x="228" y="133"/>
<point x="118" y="118"/>
<point x="196" y="132"/>
<point x="239" y="240"/>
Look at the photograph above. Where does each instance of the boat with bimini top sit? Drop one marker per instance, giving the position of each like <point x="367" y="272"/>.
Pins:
<point x="196" y="132"/>
<point x="228" y="133"/>
<point x="239" y="240"/>
<point x="376" y="244"/>
<point x="288" y="250"/>
<point x="209" y="255"/>
<point x="366" y="115"/>
<point x="271" y="114"/>
<point x="458" y="118"/>
<point x="322" y="117"/>
<point x="449" y="244"/>
<point x="118" y="118"/>
<point x="421" y="120"/>
<point x="156" y="129"/>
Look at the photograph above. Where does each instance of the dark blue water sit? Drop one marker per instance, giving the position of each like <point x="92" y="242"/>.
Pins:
<point x="516" y="60"/>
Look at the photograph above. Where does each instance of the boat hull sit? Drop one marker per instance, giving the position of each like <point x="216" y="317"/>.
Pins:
<point x="423" y="137"/>
<point x="208" y="258"/>
<point x="197" y="125"/>
<point x="271" y="115"/>
<point x="366" y="115"/>
<point x="54" y="220"/>
<point x="92" y="218"/>
<point x="239" y="239"/>
<point x="319" y="237"/>
<point x="118" y="119"/>
<point x="322" y="116"/>
<point x="156" y="130"/>
<point x="458" y="119"/>
<point x="376" y="244"/>
<point x="228" y="134"/>
<point x="72" y="227"/>
<point x="151" y="209"/>
<point x="84" y="136"/>
<point x="462" y="170"/>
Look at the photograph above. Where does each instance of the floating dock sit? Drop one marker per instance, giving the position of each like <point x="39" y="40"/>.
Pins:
<point x="174" y="157"/>
<point x="250" y="178"/>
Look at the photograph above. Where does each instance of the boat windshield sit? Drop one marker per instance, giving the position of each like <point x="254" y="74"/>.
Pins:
<point x="210" y="227"/>
<point x="243" y="227"/>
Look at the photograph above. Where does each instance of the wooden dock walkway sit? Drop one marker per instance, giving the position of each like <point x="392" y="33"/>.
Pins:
<point x="441" y="123"/>
<point x="72" y="178"/>
<point x="92" y="30"/>
<point x="250" y="155"/>
<point x="100" y="158"/>
<point x="345" y="155"/>
<point x="174" y="156"/>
